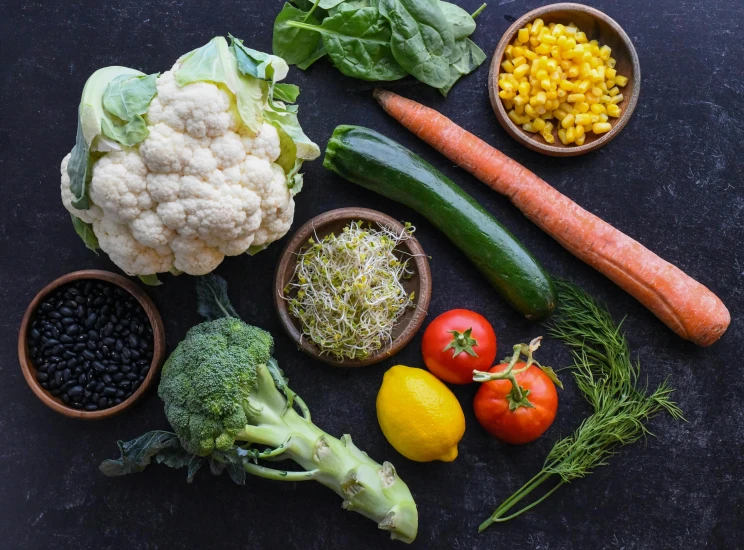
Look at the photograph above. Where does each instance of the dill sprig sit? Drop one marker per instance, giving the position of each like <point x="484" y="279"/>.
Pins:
<point x="608" y="379"/>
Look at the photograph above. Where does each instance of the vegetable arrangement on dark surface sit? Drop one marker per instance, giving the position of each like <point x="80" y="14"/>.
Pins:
<point x="381" y="40"/>
<point x="608" y="379"/>
<point x="230" y="406"/>
<point x="91" y="343"/>
<point x="369" y="159"/>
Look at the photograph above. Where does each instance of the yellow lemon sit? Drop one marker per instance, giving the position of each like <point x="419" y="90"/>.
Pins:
<point x="419" y="415"/>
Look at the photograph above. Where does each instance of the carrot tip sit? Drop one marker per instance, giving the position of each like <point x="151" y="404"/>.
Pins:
<point x="381" y="95"/>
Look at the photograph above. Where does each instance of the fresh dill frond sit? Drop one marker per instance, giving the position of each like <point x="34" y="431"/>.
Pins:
<point x="608" y="380"/>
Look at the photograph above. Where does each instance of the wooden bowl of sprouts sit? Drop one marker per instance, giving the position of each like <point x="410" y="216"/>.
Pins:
<point x="352" y="287"/>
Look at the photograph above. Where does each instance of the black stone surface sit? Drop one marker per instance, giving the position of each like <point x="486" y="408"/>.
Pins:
<point x="673" y="180"/>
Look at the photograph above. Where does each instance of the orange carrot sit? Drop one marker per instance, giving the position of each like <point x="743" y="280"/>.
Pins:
<point x="682" y="303"/>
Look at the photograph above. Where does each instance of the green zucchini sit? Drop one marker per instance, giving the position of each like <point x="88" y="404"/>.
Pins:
<point x="369" y="159"/>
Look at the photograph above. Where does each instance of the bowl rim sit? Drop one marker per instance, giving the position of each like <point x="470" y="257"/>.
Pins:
<point x="287" y="260"/>
<point x="158" y="332"/>
<point x="517" y="133"/>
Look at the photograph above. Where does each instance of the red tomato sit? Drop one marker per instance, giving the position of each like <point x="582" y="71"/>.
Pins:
<point x="523" y="424"/>
<point x="456" y="343"/>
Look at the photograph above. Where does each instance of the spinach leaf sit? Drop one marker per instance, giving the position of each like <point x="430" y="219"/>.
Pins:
<point x="328" y="4"/>
<point x="461" y="21"/>
<point x="471" y="58"/>
<point x="212" y="301"/>
<point x="319" y="53"/>
<point x="292" y="44"/>
<point x="358" y="42"/>
<point x="85" y="232"/>
<point x="422" y="40"/>
<point x="137" y="453"/>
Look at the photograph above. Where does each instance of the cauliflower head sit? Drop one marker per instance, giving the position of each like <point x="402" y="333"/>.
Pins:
<point x="213" y="176"/>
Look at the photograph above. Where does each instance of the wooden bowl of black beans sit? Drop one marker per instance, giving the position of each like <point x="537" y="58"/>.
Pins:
<point x="91" y="344"/>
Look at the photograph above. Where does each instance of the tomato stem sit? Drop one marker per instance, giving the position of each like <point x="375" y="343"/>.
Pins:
<point x="462" y="342"/>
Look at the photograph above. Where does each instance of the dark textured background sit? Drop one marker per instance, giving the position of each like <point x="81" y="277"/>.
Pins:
<point x="672" y="179"/>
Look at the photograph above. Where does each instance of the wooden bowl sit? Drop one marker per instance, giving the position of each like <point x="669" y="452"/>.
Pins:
<point x="332" y="222"/>
<point x="29" y="370"/>
<point x="597" y="26"/>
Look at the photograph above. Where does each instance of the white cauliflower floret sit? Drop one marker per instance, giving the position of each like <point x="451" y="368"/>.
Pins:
<point x="128" y="253"/>
<point x="193" y="191"/>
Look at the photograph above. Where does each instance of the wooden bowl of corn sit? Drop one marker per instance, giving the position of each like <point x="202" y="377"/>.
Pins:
<point x="564" y="79"/>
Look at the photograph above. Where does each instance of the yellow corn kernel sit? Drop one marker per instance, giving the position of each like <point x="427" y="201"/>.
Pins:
<point x="515" y="118"/>
<point x="614" y="111"/>
<point x="504" y="94"/>
<point x="529" y="54"/>
<point x="508" y="104"/>
<point x="583" y="87"/>
<point x="566" y="107"/>
<point x="521" y="70"/>
<point x="610" y="83"/>
<point x="562" y="136"/>
<point x="534" y="42"/>
<point x="530" y="111"/>
<point x="543" y="49"/>
<point x="576" y="98"/>
<point x="529" y="128"/>
<point x="580" y="131"/>
<point x="601" y="72"/>
<point x="552" y="65"/>
<point x="538" y="124"/>
<point x="581" y="37"/>
<point x="582" y="107"/>
<point x="566" y="85"/>
<point x="551" y="95"/>
<point x="571" y="30"/>
<point x="570" y="134"/>
<point x="562" y="39"/>
<point x="523" y="35"/>
<point x="611" y="73"/>
<point x="519" y="60"/>
<point x="505" y="85"/>
<point x="558" y="30"/>
<point x="616" y="99"/>
<point x="556" y="52"/>
<point x="549" y="126"/>
<point x="541" y="98"/>
<point x="601" y="127"/>
<point x="605" y="99"/>
<point x="568" y="121"/>
<point x="508" y="66"/>
<point x="604" y="52"/>
<point x="591" y="99"/>
<point x="621" y="80"/>
<point x="596" y="91"/>
<point x="541" y="110"/>
<point x="613" y="91"/>
<point x="548" y="137"/>
<point x="603" y="117"/>
<point x="569" y="44"/>
<point x="519" y="109"/>
<point x="508" y="51"/>
<point x="542" y="74"/>
<point x="518" y="51"/>
<point x="586" y="58"/>
<point x="580" y="140"/>
<point x="611" y="62"/>
<point x="548" y="115"/>
<point x="521" y="100"/>
<point x="584" y="119"/>
<point x="562" y="94"/>
<point x="594" y="43"/>
<point x="595" y="62"/>
<point x="537" y="24"/>
<point x="524" y="88"/>
<point x="566" y="65"/>
<point x="548" y="39"/>
<point x="560" y="114"/>
<point x="597" y="108"/>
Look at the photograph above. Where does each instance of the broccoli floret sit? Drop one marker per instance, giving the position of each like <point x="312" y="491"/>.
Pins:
<point x="229" y="403"/>
<point x="207" y="380"/>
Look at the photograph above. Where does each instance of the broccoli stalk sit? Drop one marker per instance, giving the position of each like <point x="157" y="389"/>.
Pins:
<point x="230" y="406"/>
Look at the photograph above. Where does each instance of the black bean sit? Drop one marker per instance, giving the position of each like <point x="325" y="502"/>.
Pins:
<point x="58" y="378"/>
<point x="132" y="376"/>
<point x="57" y="350"/>
<point x="105" y="350"/>
<point x="78" y="347"/>
<point x="82" y="300"/>
<point x="81" y="338"/>
<point x="106" y="310"/>
<point x="126" y="353"/>
<point x="66" y="398"/>
<point x="99" y="301"/>
<point x="44" y="367"/>
<point x="118" y="377"/>
<point x="66" y="311"/>
<point x="80" y="312"/>
<point x="144" y="344"/>
<point x="77" y="405"/>
<point x="119" y="345"/>
<point x="55" y="315"/>
<point x="58" y="326"/>
<point x="91" y="345"/>
<point x="52" y="369"/>
<point x="35" y="334"/>
<point x="72" y="363"/>
<point x="100" y="367"/>
<point x="95" y="397"/>
<point x="66" y="339"/>
<point x="91" y="407"/>
<point x="93" y="335"/>
<point x="72" y="329"/>
<point x="125" y="368"/>
<point x="89" y="355"/>
<point x="83" y="378"/>
<point x="112" y="369"/>
<point x="78" y="369"/>
<point x="70" y="304"/>
<point x="44" y="385"/>
<point x="125" y="384"/>
<point x="109" y="391"/>
<point x="115" y="356"/>
<point x="68" y="354"/>
<point x="136" y="384"/>
<point x="91" y="319"/>
<point x="108" y="341"/>
<point x="107" y="378"/>
<point x="66" y="374"/>
<point x="75" y="391"/>
<point x="120" y="393"/>
<point x="144" y="371"/>
<point x="46" y="306"/>
<point x="133" y="341"/>
<point x="99" y="355"/>
<point x="33" y="352"/>
<point x="42" y="376"/>
<point x="99" y="387"/>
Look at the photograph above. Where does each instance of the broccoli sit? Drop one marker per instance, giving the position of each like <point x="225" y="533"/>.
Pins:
<point x="229" y="405"/>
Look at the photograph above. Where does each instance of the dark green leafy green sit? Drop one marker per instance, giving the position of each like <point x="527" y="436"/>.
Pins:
<point x="422" y="39"/>
<point x="358" y="42"/>
<point x="470" y="59"/>
<point x="212" y="301"/>
<point x="319" y="53"/>
<point x="462" y="23"/>
<point x="85" y="232"/>
<point x="137" y="453"/>
<point x="292" y="44"/>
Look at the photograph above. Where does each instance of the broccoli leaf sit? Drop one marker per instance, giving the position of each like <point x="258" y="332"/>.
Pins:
<point x="212" y="299"/>
<point x="137" y="453"/>
<point x="85" y="232"/>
